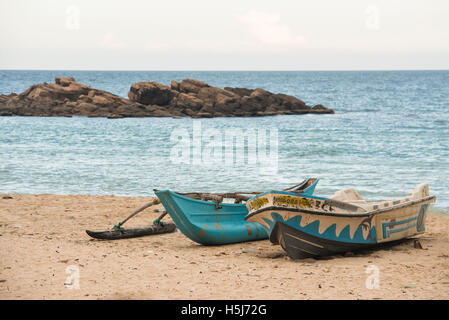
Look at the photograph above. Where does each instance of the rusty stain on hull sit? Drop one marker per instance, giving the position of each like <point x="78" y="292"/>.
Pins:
<point x="250" y="231"/>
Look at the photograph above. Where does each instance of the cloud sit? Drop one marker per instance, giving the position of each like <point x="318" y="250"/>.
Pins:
<point x="266" y="29"/>
<point x="109" y="42"/>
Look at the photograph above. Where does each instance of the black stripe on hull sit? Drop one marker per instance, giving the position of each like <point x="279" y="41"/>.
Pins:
<point x="300" y="245"/>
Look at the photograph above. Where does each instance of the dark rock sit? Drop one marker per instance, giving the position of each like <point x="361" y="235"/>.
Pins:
<point x="321" y="109"/>
<point x="4" y="98"/>
<point x="151" y="93"/>
<point x="175" y="85"/>
<point x="192" y="86"/>
<point x="188" y="98"/>
<point x="249" y="104"/>
<point x="188" y="101"/>
<point x="240" y="91"/>
<point x="289" y="102"/>
<point x="203" y="115"/>
<point x="64" y="81"/>
<point x="226" y="104"/>
<point x="162" y="113"/>
<point x="66" y="97"/>
<point x="115" y="116"/>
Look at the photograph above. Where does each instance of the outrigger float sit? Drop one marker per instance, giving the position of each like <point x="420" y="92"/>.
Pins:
<point x="118" y="232"/>
<point x="308" y="226"/>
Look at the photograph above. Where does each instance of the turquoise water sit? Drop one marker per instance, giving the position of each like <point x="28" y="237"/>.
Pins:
<point x="390" y="132"/>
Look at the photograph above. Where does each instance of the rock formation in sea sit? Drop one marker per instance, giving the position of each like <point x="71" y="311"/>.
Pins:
<point x="188" y="98"/>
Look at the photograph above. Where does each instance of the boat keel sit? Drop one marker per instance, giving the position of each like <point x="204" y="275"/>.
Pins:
<point x="300" y="245"/>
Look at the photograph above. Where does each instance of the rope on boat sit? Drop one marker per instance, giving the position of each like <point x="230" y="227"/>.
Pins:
<point x="158" y="220"/>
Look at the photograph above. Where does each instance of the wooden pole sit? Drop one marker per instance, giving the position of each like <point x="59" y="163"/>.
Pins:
<point x="155" y="201"/>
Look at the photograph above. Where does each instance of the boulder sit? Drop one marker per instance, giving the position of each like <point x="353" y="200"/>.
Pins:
<point x="3" y="98"/>
<point x="240" y="91"/>
<point x="226" y="104"/>
<point x="188" y="101"/>
<point x="249" y="104"/>
<point x="64" y="81"/>
<point x="192" y="86"/>
<point x="319" y="108"/>
<point x="207" y="95"/>
<point x="289" y="102"/>
<point x="150" y="93"/>
<point x="175" y="85"/>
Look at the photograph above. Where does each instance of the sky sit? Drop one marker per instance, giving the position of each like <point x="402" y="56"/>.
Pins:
<point x="224" y="35"/>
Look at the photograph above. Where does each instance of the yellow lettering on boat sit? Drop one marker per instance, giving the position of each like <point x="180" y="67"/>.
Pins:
<point x="259" y="202"/>
<point x="303" y="202"/>
<point x="286" y="201"/>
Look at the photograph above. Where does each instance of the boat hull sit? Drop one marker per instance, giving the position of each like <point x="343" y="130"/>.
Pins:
<point x="301" y="245"/>
<point x="308" y="226"/>
<point x="203" y="222"/>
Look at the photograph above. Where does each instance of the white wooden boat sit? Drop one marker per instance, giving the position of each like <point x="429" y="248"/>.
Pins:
<point x="311" y="226"/>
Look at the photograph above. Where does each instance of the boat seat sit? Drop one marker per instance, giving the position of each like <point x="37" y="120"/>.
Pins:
<point x="347" y="195"/>
<point x="420" y="191"/>
<point x="352" y="196"/>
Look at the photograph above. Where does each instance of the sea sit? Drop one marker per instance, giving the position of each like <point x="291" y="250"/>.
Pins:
<point x="390" y="132"/>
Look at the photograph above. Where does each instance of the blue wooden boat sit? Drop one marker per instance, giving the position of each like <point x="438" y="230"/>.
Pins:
<point x="309" y="226"/>
<point x="216" y="222"/>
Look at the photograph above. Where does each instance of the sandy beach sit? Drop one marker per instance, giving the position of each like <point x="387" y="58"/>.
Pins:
<point x="43" y="236"/>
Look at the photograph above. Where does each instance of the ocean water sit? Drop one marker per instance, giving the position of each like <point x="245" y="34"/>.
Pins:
<point x="390" y="132"/>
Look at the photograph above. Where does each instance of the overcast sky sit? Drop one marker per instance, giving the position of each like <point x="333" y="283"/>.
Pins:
<point x="224" y="35"/>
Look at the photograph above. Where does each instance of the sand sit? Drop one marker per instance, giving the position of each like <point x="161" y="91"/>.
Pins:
<point x="42" y="237"/>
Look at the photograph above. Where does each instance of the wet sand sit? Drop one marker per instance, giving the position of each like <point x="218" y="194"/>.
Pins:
<point x="43" y="242"/>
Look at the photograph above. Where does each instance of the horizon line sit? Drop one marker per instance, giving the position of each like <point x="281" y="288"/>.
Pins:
<point x="225" y="70"/>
